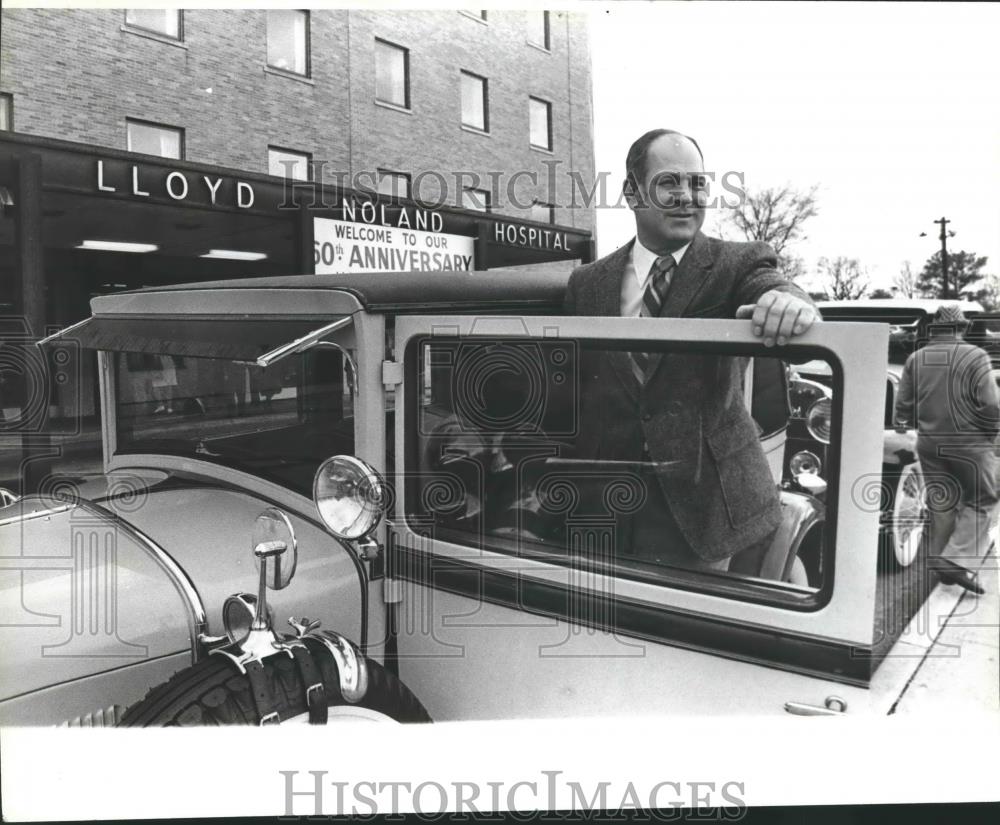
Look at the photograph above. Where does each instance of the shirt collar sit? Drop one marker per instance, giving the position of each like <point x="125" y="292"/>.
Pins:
<point x="643" y="260"/>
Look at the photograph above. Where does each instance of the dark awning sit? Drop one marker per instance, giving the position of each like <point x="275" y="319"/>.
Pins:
<point x="234" y="339"/>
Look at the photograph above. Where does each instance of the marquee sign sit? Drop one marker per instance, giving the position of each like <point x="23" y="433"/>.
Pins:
<point x="347" y="246"/>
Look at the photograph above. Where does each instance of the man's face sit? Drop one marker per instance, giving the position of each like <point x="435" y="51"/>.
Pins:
<point x="667" y="209"/>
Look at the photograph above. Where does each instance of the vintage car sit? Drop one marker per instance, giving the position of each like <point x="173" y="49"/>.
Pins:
<point x="336" y="497"/>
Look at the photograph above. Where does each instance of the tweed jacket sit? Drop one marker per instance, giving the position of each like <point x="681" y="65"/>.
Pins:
<point x="689" y="416"/>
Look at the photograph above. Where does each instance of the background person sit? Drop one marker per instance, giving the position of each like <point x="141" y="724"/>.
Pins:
<point x="947" y="389"/>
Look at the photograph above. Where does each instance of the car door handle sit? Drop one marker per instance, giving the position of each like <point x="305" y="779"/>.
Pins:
<point x="833" y="706"/>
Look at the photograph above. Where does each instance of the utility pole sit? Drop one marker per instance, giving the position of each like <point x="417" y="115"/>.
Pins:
<point x="943" y="221"/>
<point x="946" y="292"/>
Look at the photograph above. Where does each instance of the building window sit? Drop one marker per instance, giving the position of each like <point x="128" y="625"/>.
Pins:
<point x="540" y="119"/>
<point x="394" y="184"/>
<point x="288" y="40"/>
<point x="285" y="163"/>
<point x="543" y="212"/>
<point x="538" y="29"/>
<point x="6" y="113"/>
<point x="161" y="21"/>
<point x="475" y="102"/>
<point x="392" y="74"/>
<point x="155" y="139"/>
<point x="478" y="199"/>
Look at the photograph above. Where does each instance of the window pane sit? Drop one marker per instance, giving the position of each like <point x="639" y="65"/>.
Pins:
<point x="164" y="21"/>
<point x="542" y="212"/>
<point x="149" y="139"/>
<point x="562" y="451"/>
<point x="5" y="113"/>
<point x="286" y="40"/>
<point x="275" y="422"/>
<point x="538" y="28"/>
<point x="390" y="74"/>
<point x="285" y="164"/>
<point x="478" y="199"/>
<point x="538" y="113"/>
<point x="474" y="101"/>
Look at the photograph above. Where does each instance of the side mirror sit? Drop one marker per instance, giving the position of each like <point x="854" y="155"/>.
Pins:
<point x="350" y="497"/>
<point x="274" y="539"/>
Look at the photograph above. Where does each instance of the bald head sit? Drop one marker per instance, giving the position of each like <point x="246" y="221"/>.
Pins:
<point x="635" y="160"/>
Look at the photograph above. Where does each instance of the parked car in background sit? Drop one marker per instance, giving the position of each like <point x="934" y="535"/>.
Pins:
<point x="395" y="457"/>
<point x="903" y="495"/>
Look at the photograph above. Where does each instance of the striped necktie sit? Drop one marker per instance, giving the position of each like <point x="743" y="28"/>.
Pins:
<point x="652" y="302"/>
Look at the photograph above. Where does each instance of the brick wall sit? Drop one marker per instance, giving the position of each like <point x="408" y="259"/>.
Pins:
<point x="77" y="75"/>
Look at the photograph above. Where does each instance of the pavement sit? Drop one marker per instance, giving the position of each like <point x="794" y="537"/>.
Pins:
<point x="960" y="671"/>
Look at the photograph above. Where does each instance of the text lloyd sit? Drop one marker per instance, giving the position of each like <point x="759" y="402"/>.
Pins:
<point x="176" y="185"/>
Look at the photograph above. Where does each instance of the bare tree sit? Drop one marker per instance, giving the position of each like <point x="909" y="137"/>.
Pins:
<point x="905" y="283"/>
<point x="776" y="215"/>
<point x="845" y="280"/>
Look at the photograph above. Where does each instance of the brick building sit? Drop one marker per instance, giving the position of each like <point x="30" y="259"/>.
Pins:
<point x="356" y="91"/>
<point x="140" y="147"/>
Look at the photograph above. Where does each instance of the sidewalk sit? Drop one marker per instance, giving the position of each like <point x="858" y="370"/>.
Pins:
<point x="961" y="671"/>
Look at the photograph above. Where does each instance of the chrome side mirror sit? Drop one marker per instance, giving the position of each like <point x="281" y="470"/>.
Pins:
<point x="7" y="497"/>
<point x="350" y="497"/>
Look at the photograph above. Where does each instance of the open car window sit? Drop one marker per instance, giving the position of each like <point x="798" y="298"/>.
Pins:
<point x="523" y="448"/>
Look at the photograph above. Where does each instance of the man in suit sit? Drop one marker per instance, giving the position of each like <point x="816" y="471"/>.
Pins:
<point x="709" y="490"/>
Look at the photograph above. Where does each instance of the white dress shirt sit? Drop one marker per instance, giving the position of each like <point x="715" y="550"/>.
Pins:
<point x="636" y="277"/>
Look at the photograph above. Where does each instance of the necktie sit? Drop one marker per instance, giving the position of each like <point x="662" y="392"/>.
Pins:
<point x="656" y="286"/>
<point x="652" y="301"/>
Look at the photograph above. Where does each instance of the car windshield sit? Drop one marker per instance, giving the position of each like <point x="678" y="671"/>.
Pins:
<point x="278" y="422"/>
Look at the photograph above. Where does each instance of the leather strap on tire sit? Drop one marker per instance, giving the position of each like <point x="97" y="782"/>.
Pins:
<point x="312" y="682"/>
<point x="263" y="697"/>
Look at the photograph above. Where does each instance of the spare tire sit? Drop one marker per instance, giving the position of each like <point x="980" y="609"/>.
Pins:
<point x="214" y="692"/>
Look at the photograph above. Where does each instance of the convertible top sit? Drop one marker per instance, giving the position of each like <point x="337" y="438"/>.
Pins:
<point x="414" y="292"/>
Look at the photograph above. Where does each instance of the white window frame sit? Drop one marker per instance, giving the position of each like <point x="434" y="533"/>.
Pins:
<point x="163" y="127"/>
<point x="484" y="84"/>
<point x="532" y="99"/>
<point x="381" y="43"/>
<point x="392" y="176"/>
<point x="546" y="45"/>
<point x="306" y="31"/>
<point x="482" y="194"/>
<point x="290" y="154"/>
<point x="160" y="32"/>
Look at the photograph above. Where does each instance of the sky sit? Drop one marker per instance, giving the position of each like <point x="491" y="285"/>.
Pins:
<point x="893" y="109"/>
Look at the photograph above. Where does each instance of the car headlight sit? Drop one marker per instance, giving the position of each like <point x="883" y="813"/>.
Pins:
<point x="350" y="496"/>
<point x="805" y="462"/>
<point x="818" y="420"/>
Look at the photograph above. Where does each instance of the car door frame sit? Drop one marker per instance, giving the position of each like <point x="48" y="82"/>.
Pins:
<point x="832" y="641"/>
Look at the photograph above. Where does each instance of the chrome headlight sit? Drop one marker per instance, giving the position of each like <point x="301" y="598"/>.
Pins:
<point x="805" y="462"/>
<point x="803" y="393"/>
<point x="818" y="420"/>
<point x="350" y="496"/>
